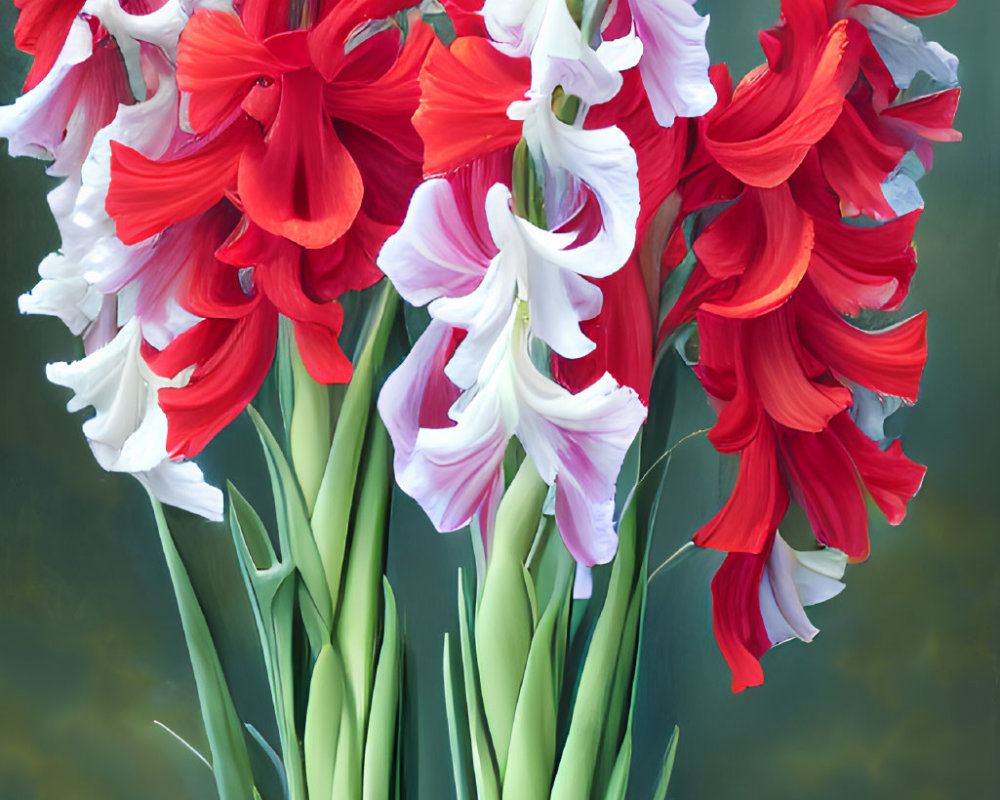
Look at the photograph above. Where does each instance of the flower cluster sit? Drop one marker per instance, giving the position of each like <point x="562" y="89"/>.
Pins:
<point x="225" y="165"/>
<point x="541" y="184"/>
<point x="529" y="204"/>
<point x="789" y="174"/>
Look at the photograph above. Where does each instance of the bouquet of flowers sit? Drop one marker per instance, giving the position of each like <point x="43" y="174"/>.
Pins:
<point x="466" y="248"/>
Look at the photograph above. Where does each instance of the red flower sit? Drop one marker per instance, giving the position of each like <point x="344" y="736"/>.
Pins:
<point x="302" y="164"/>
<point x="465" y="90"/>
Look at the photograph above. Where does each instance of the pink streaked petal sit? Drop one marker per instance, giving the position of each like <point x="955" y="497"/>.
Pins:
<point x="436" y="253"/>
<point x="674" y="65"/>
<point x="578" y="441"/>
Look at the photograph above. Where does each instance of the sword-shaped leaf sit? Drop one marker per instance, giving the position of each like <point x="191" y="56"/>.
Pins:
<point x="380" y="740"/>
<point x="223" y="729"/>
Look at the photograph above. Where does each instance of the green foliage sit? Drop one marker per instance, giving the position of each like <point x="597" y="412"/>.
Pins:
<point x="230" y="760"/>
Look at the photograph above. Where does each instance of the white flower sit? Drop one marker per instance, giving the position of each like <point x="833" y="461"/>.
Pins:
<point x="794" y="579"/>
<point x="128" y="432"/>
<point x="576" y="442"/>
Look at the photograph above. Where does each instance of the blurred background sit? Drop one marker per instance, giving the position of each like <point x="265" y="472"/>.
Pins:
<point x="897" y="697"/>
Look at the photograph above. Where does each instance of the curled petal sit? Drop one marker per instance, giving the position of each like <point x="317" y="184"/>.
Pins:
<point x="465" y="92"/>
<point x="147" y="196"/>
<point x="218" y="62"/>
<point x="764" y="153"/>
<point x="300" y="182"/>
<point x="674" y="65"/>
<point x="771" y="263"/>
<point x="758" y="502"/>
<point x="230" y="359"/>
<point x="128" y="431"/>
<point x="578" y="441"/>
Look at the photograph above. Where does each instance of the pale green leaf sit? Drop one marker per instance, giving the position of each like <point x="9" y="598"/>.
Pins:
<point x="323" y="718"/>
<point x="380" y="739"/>
<point x="668" y="766"/>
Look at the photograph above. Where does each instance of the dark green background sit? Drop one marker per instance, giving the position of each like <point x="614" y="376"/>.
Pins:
<point x="897" y="697"/>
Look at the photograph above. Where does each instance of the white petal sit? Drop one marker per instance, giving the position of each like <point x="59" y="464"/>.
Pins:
<point x="128" y="431"/>
<point x="794" y="579"/>
<point x="903" y="48"/>
<point x="434" y="254"/>
<point x="453" y="470"/>
<point x="579" y="441"/>
<point x="604" y="160"/>
<point x="40" y="122"/>
<point x="583" y="583"/>
<point x="181" y="484"/>
<point x="674" y="65"/>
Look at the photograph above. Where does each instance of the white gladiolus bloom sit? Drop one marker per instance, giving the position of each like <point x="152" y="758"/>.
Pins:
<point x="793" y="580"/>
<point x="577" y="442"/>
<point x="128" y="432"/>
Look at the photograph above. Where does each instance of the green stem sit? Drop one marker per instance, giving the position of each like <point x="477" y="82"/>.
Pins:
<point x="332" y="513"/>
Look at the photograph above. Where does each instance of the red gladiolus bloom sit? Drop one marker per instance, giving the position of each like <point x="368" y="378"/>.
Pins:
<point x="302" y="163"/>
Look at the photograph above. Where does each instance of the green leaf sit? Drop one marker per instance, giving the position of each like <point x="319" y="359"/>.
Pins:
<point x="619" y="700"/>
<point x="347" y="769"/>
<point x="331" y="516"/>
<point x="618" y="781"/>
<point x="271" y="754"/>
<point x="293" y="522"/>
<point x="271" y="586"/>
<point x="309" y="429"/>
<point x="533" y="736"/>
<point x="230" y="760"/>
<point x="504" y="620"/>
<point x="575" y="775"/>
<point x="668" y="766"/>
<point x="323" y="718"/>
<point x="458" y="726"/>
<point x="380" y="739"/>
<point x="357" y="620"/>
<point x="283" y="370"/>
<point x="483" y="763"/>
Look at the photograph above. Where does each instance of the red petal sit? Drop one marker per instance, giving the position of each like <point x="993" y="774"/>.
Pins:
<point x="146" y="196"/>
<point x="212" y="288"/>
<point x="786" y="377"/>
<point x="465" y="92"/>
<point x="349" y="263"/>
<point x="329" y="40"/>
<point x="772" y="262"/>
<point x="42" y="28"/>
<point x="218" y="63"/>
<point x="930" y="117"/>
<point x="856" y="163"/>
<point x="890" y="477"/>
<point x="466" y="16"/>
<point x="264" y="18"/>
<point x="757" y="504"/>
<point x="855" y="268"/>
<point x="232" y="358"/>
<point x="743" y="139"/>
<point x="826" y="485"/>
<point x="300" y="182"/>
<point x="739" y="626"/>
<point x="317" y="325"/>
<point x="889" y="361"/>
